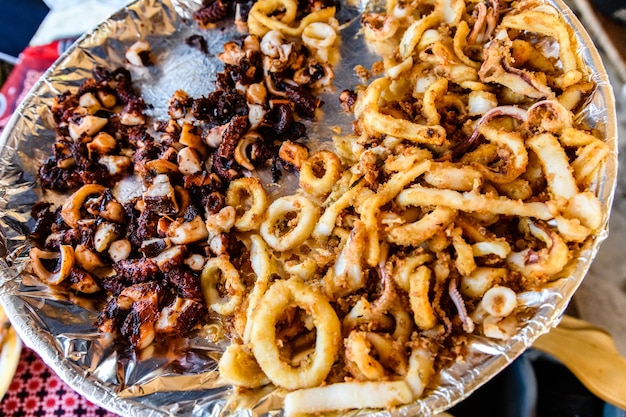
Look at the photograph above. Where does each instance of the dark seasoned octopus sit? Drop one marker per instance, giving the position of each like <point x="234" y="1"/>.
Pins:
<point x="198" y="42"/>
<point x="212" y="11"/>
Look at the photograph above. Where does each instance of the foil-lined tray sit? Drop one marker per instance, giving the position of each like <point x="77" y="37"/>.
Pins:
<point x="183" y="380"/>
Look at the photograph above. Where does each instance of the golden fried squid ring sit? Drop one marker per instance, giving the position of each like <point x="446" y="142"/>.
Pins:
<point x="286" y="14"/>
<point x="320" y="173"/>
<point x="263" y="268"/>
<point x="545" y="24"/>
<point x="395" y="71"/>
<point x="366" y="366"/>
<point x="445" y="11"/>
<point x="66" y="263"/>
<point x="497" y="67"/>
<point x="516" y="161"/>
<point x="239" y="192"/>
<point x="500" y="248"/>
<point x="453" y="177"/>
<point x="377" y="123"/>
<point x="282" y="233"/>
<point x="441" y="54"/>
<point x="434" y="94"/>
<point x="262" y="19"/>
<point x="483" y="278"/>
<point x="586" y="208"/>
<point x="577" y="138"/>
<point x="518" y="189"/>
<point x="473" y="202"/>
<point x="365" y="313"/>
<point x="71" y="210"/>
<point x="498" y="301"/>
<point x="370" y="209"/>
<point x="544" y="263"/>
<point x="419" y="286"/>
<point x="326" y="224"/>
<point x="347" y="275"/>
<point x="299" y="265"/>
<point x="379" y="27"/>
<point x="548" y="116"/>
<point x="588" y="162"/>
<point x="359" y="362"/>
<point x="590" y="156"/>
<point x="416" y="233"/>
<point x="281" y="296"/>
<point x="216" y="270"/>
<point x="421" y="369"/>
<point x="460" y="42"/>
<point x="348" y="395"/>
<point x="555" y="165"/>
<point x="405" y="267"/>
<point x="414" y="33"/>
<point x="320" y="39"/>
<point x="237" y="366"/>
<point x="571" y="229"/>
<point x="464" y="261"/>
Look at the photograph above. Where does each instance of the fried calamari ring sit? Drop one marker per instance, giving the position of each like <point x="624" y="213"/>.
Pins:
<point x="66" y="262"/>
<point x="483" y="278"/>
<point x="464" y="262"/>
<point x="370" y="209"/>
<point x="515" y="163"/>
<point x="434" y="95"/>
<point x="71" y="210"/>
<point x="347" y="275"/>
<point x="473" y="202"/>
<point x="320" y="38"/>
<point x="545" y="24"/>
<point x="414" y="33"/>
<point x="261" y="18"/>
<point x="278" y="298"/>
<point x="326" y="224"/>
<point x="371" y="356"/>
<point x="348" y="395"/>
<point x="421" y="369"/>
<point x="378" y="123"/>
<point x="555" y="165"/>
<point x="588" y="161"/>
<point x="360" y="362"/>
<point x="497" y="301"/>
<point x="416" y="233"/>
<point x="216" y="270"/>
<point x="419" y="287"/>
<point x="405" y="267"/>
<point x="282" y="232"/>
<point x="460" y="42"/>
<point x="544" y="263"/>
<point x="448" y="176"/>
<point x="237" y="366"/>
<point x="239" y="193"/>
<point x="445" y="11"/>
<point x="263" y="267"/>
<point x="320" y="173"/>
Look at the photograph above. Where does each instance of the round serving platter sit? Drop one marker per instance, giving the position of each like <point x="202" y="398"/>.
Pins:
<point x="59" y="327"/>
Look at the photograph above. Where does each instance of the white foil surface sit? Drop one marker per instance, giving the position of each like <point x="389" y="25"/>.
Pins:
<point x="184" y="380"/>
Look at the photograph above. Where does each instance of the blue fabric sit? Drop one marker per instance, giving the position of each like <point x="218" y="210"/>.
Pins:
<point x="19" y="20"/>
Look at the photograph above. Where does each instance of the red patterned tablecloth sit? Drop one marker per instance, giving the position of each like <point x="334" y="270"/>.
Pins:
<point x="36" y="391"/>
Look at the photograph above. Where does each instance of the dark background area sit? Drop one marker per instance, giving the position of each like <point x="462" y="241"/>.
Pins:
<point x="19" y="21"/>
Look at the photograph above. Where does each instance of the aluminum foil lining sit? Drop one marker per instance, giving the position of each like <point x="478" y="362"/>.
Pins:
<point x="59" y="326"/>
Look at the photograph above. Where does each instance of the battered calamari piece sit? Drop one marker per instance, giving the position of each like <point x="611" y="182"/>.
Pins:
<point x="468" y="181"/>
